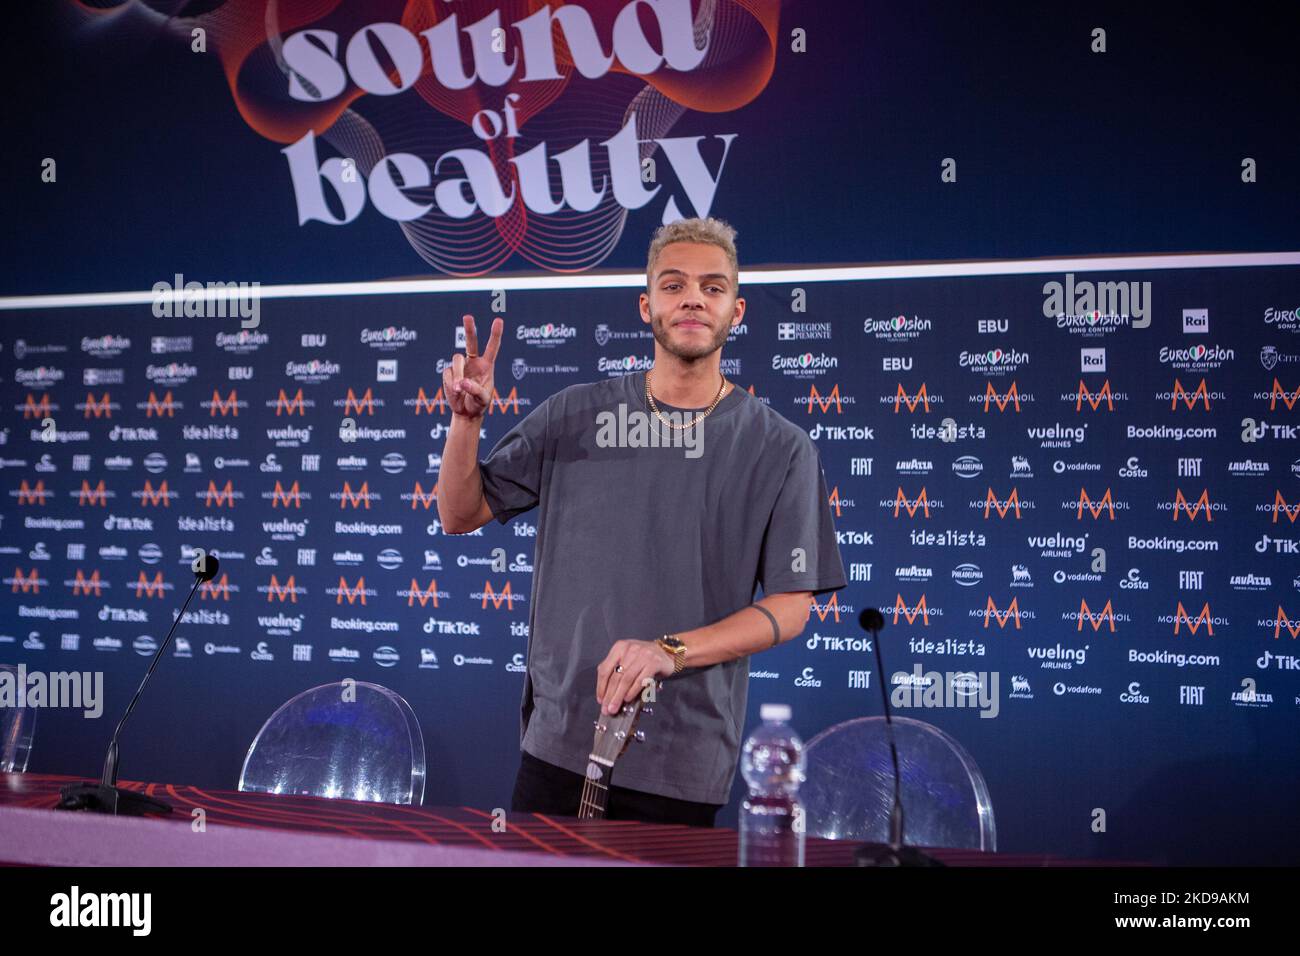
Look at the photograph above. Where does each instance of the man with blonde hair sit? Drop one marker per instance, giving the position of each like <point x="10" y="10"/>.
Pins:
<point x="647" y="558"/>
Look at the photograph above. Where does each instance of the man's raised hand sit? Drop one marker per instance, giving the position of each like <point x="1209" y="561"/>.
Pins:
<point x="467" y="381"/>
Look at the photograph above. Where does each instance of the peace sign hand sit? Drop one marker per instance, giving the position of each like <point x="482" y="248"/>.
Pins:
<point x="467" y="381"/>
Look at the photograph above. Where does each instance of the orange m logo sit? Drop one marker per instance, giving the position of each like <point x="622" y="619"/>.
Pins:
<point x="34" y="409"/>
<point x="290" y="406"/>
<point x="511" y="400"/>
<point x="1281" y="507"/>
<point x="32" y="496"/>
<point x="93" y="496"/>
<point x="30" y="583"/>
<point x="1284" y="621"/>
<point x="230" y="405"/>
<point x="921" y="611"/>
<point x="160" y="408"/>
<point x="1104" y="503"/>
<point x="506" y="594"/>
<point x="1189" y="400"/>
<point x="1103" y="392"/>
<point x="148" y="496"/>
<point x="146" y="588"/>
<point x="1279" y="392"/>
<point x="1013" y="501"/>
<point x="815" y="398"/>
<point x="423" y="596"/>
<point x="1181" y="617"/>
<point x="901" y="398"/>
<point x="1202" y="502"/>
<point x="281" y="497"/>
<point x="351" y="593"/>
<point x="1013" y="612"/>
<point x="213" y="589"/>
<point x="85" y="585"/>
<point x="425" y="404"/>
<point x="100" y="409"/>
<point x="223" y="497"/>
<point x="1012" y="397"/>
<point x="1106" y="614"/>
<point x="276" y="591"/>
<point x="362" y="495"/>
<point x="354" y="404"/>
<point x="830" y="607"/>
<point x="419" y="495"/>
<point x="922" y="502"/>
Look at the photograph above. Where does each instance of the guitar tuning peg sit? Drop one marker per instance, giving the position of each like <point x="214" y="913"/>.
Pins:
<point x="640" y="735"/>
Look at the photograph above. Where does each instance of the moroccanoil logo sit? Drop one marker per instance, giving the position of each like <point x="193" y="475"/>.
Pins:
<point x="223" y="496"/>
<point x="1284" y="621"/>
<point x="144" y="587"/>
<point x="1289" y="398"/>
<point x="1105" y="616"/>
<point x="425" y="404"/>
<point x="1189" y="399"/>
<point x="1181" y="617"/>
<point x="86" y="585"/>
<point x="216" y="588"/>
<point x="35" y="409"/>
<point x="917" y="610"/>
<point x="832" y="398"/>
<point x="991" y="612"/>
<point x="1094" y="401"/>
<point x="921" y="501"/>
<point x="282" y="497"/>
<point x="420" y="496"/>
<point x="901" y="398"/>
<point x="229" y="406"/>
<point x="92" y="496"/>
<point x="1010" y="397"/>
<point x="347" y="498"/>
<point x="351" y="593"/>
<point x="164" y="407"/>
<point x="1012" y="502"/>
<point x="34" y="494"/>
<point x="277" y="592"/>
<point x="353" y="404"/>
<point x="31" y="583"/>
<point x="284" y="405"/>
<point x="1203" y="502"/>
<point x="100" y="409"/>
<point x="424" y="596"/>
<point x="1281" y="507"/>
<point x="506" y="595"/>
<point x="831" y="607"/>
<point x="1104" y="503"/>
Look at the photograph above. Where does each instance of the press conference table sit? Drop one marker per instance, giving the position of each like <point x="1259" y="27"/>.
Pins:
<point x="250" y="829"/>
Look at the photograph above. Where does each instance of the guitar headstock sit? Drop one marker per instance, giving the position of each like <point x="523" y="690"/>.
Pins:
<point x="615" y="731"/>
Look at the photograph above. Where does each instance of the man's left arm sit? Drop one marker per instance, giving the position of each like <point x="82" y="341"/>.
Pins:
<point x="769" y="621"/>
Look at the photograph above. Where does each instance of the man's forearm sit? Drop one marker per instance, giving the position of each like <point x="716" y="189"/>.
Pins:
<point x="460" y="486"/>
<point x="749" y="630"/>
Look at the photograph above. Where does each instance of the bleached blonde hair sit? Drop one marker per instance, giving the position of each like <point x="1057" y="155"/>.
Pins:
<point x="710" y="230"/>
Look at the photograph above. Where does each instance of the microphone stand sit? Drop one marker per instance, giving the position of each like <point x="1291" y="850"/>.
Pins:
<point x="105" y="796"/>
<point x="893" y="853"/>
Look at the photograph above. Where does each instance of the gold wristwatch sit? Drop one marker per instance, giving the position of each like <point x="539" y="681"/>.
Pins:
<point x="676" y="648"/>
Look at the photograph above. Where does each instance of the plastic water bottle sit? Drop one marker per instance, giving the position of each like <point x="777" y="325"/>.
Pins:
<point x="771" y="818"/>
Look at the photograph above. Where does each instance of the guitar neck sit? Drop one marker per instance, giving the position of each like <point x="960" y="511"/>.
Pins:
<point x="595" y="791"/>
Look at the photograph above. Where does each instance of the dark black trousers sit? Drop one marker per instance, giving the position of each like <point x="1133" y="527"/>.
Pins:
<point x="542" y="787"/>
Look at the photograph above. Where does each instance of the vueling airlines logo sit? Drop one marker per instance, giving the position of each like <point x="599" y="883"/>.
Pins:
<point x="423" y="596"/>
<point x="1189" y="400"/>
<point x="1105" y="616"/>
<point x="918" y="610"/>
<point x="1181" y="617"/>
<point x="1281" y="507"/>
<point x="34" y="409"/>
<point x="901" y="398"/>
<point x="921" y="501"/>
<point x="1289" y="398"/>
<point x="991" y="612"/>
<point x="506" y="595"/>
<point x="87" y="585"/>
<point x="92" y="496"/>
<point x="1203" y="502"/>
<point x="831" y="607"/>
<point x="144" y="587"/>
<point x="1012" y="502"/>
<point x="1010" y="397"/>
<point x="32" y="494"/>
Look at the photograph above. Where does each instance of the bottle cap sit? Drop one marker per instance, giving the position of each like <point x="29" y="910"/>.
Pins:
<point x="774" y="712"/>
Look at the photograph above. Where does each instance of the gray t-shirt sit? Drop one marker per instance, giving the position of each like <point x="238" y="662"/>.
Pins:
<point x="634" y="542"/>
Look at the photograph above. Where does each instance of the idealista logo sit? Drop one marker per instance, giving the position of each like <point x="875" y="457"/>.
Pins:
<point x="1097" y="308"/>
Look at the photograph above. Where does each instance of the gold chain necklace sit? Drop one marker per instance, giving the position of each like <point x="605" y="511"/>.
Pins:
<point x="650" y="400"/>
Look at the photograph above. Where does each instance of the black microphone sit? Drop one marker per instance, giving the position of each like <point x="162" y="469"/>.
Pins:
<point x="893" y="853"/>
<point x="105" y="796"/>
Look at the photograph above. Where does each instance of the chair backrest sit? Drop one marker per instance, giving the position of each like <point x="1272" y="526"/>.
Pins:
<point x="352" y="740"/>
<point x="17" y="727"/>
<point x="849" y="788"/>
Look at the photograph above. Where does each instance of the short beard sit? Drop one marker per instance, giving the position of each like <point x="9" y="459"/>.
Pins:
<point x="658" y="325"/>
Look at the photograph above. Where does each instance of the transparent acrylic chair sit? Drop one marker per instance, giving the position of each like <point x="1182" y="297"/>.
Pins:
<point x="849" y="786"/>
<point x="322" y="744"/>
<point x="17" y="726"/>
